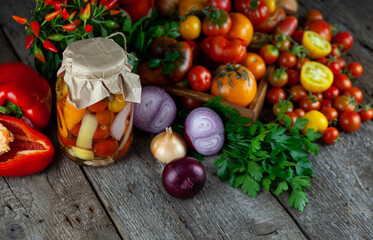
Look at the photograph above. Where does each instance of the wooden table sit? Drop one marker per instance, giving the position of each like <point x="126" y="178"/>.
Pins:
<point x="127" y="200"/>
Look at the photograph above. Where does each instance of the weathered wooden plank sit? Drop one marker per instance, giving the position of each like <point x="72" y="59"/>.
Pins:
<point x="141" y="209"/>
<point x="57" y="203"/>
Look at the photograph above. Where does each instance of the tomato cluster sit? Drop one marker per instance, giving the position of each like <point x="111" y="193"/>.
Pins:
<point x="312" y="80"/>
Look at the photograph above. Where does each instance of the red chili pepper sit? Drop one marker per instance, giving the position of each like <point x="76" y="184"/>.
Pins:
<point x="64" y="2"/>
<point x="29" y="41"/>
<point x="65" y="14"/>
<point x="49" y="46"/>
<point x="108" y="3"/>
<point x="86" y="13"/>
<point x="77" y="22"/>
<point x="93" y="2"/>
<point x="88" y="28"/>
<point x="114" y="12"/>
<point x="39" y="54"/>
<point x="35" y="27"/>
<point x="51" y="16"/>
<point x="72" y="15"/>
<point x="48" y="2"/>
<point x="24" y="88"/>
<point x="19" y="20"/>
<point x="69" y="27"/>
<point x="29" y="152"/>
<point x="57" y="5"/>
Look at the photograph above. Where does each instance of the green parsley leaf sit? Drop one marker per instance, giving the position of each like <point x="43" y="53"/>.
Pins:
<point x="281" y="187"/>
<point x="298" y="199"/>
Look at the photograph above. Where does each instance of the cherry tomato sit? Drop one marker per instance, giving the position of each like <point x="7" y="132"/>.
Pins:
<point x="293" y="116"/>
<point x="105" y="148"/>
<point x="334" y="66"/>
<point x="330" y="135"/>
<point x="216" y="23"/>
<point x="354" y="92"/>
<point x="190" y="103"/>
<point x="344" y="103"/>
<point x="297" y="92"/>
<point x="366" y="114"/>
<point x="282" y="43"/>
<point x="331" y="93"/>
<point x="326" y="103"/>
<point x="287" y="26"/>
<point x="319" y="26"/>
<point x="350" y="121"/>
<point x="342" y="62"/>
<point x="221" y="4"/>
<point x="313" y="14"/>
<point x="287" y="59"/>
<point x="195" y="49"/>
<point x="316" y="121"/>
<point x="355" y="69"/>
<point x="307" y="104"/>
<point x="255" y="64"/>
<point x="300" y="62"/>
<point x="199" y="78"/>
<point x="344" y="40"/>
<point x="190" y="28"/>
<point x="293" y="77"/>
<point x="342" y="82"/>
<point x="282" y="106"/>
<point x="297" y="36"/>
<point x="278" y="78"/>
<point x="336" y="51"/>
<point x="300" y="112"/>
<point x="257" y="11"/>
<point x="269" y="53"/>
<point x="274" y="95"/>
<point x="330" y="113"/>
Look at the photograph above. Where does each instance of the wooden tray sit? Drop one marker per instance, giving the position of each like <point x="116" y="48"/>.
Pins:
<point x="252" y="111"/>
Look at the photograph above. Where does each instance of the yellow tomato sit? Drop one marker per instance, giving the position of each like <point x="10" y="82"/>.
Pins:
<point x="241" y="27"/>
<point x="190" y="28"/>
<point x="316" y="121"/>
<point x="117" y="104"/>
<point x="316" y="77"/>
<point x="271" y="4"/>
<point x="316" y="45"/>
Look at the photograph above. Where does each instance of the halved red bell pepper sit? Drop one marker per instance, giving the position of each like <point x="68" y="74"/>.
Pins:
<point x="28" y="150"/>
<point x="224" y="49"/>
<point x="22" y="86"/>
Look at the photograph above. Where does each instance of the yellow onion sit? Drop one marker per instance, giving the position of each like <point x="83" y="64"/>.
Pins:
<point x="168" y="145"/>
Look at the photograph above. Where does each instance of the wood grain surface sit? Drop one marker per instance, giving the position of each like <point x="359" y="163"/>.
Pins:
<point x="126" y="200"/>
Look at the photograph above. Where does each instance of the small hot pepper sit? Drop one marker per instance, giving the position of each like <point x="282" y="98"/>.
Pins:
<point x="57" y="5"/>
<point x="111" y="24"/>
<point x="65" y="14"/>
<point x="85" y="13"/>
<point x="29" y="41"/>
<point x="24" y="151"/>
<point x="49" y="46"/>
<point x="108" y="3"/>
<point x="114" y="12"/>
<point x="39" y="54"/>
<point x="88" y="28"/>
<point x="72" y="15"/>
<point x="56" y="37"/>
<point x="22" y="88"/>
<point x="35" y="27"/>
<point x="51" y="16"/>
<point x="19" y="20"/>
<point x="69" y="27"/>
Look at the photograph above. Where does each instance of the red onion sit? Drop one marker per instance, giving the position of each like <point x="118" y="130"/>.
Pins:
<point x="204" y="131"/>
<point x="184" y="177"/>
<point x="156" y="111"/>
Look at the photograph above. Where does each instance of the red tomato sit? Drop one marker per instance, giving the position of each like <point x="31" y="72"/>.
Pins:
<point x="366" y="114"/>
<point x="199" y="78"/>
<point x="216" y="24"/>
<point x="105" y="148"/>
<point x="297" y="92"/>
<point x="293" y="77"/>
<point x="344" y="40"/>
<point x="336" y="51"/>
<point x="326" y="103"/>
<point x="293" y="116"/>
<point x="330" y="135"/>
<point x="287" y="59"/>
<point x="300" y="62"/>
<point x="342" y="82"/>
<point x="269" y="53"/>
<point x="313" y="14"/>
<point x="287" y="26"/>
<point x="307" y="104"/>
<point x="355" y="69"/>
<point x="321" y="27"/>
<point x="300" y="112"/>
<point x="278" y="78"/>
<point x="297" y="36"/>
<point x="191" y="104"/>
<point x="354" y="92"/>
<point x="221" y="4"/>
<point x="334" y="66"/>
<point x="257" y="11"/>
<point x="342" y="62"/>
<point x="195" y="49"/>
<point x="331" y="93"/>
<point x="138" y="9"/>
<point x="274" y="95"/>
<point x="350" y="121"/>
<point x="330" y="113"/>
<point x="282" y="43"/>
<point x="285" y="106"/>
<point x="343" y="103"/>
<point x="273" y="20"/>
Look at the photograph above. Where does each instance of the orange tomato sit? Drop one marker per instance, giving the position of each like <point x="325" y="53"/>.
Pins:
<point x="235" y="83"/>
<point x="255" y="64"/>
<point x="104" y="117"/>
<point x="99" y="106"/>
<point x="102" y="132"/>
<point x="67" y="141"/>
<point x="105" y="148"/>
<point x="241" y="27"/>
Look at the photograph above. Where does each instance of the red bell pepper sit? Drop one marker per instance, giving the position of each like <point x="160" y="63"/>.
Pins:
<point x="23" y="87"/>
<point x="27" y="150"/>
<point x="224" y="49"/>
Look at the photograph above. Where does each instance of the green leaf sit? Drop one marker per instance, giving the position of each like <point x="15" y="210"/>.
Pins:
<point x="250" y="186"/>
<point x="223" y="171"/>
<point x="298" y="154"/>
<point x="171" y="56"/>
<point x="127" y="25"/>
<point x="281" y="187"/>
<point x="255" y="171"/>
<point x="140" y="39"/>
<point x="266" y="183"/>
<point x="154" y="63"/>
<point x="304" y="167"/>
<point x="237" y="181"/>
<point x="300" y="182"/>
<point x="167" y="68"/>
<point x="298" y="199"/>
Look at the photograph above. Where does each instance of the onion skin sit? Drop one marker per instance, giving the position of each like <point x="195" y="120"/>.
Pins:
<point x="184" y="178"/>
<point x="166" y="7"/>
<point x="204" y="131"/>
<point x="156" y="111"/>
<point x="168" y="145"/>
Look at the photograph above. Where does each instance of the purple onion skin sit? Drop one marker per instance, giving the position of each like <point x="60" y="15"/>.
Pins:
<point x="184" y="178"/>
<point x="204" y="131"/>
<point x="156" y="111"/>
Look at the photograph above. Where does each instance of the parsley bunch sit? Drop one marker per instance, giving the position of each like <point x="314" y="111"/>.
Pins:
<point x="266" y="155"/>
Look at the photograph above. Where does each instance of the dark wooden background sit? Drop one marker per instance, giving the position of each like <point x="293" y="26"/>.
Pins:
<point x="127" y="200"/>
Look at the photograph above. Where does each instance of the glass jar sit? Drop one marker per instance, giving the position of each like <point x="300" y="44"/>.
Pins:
<point x="95" y="125"/>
